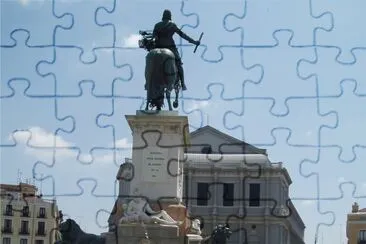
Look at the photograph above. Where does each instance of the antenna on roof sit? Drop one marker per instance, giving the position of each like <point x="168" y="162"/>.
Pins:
<point x="207" y="119"/>
<point x="41" y="184"/>
<point x="19" y="176"/>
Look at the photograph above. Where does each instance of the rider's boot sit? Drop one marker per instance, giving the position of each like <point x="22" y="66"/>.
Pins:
<point x="181" y="77"/>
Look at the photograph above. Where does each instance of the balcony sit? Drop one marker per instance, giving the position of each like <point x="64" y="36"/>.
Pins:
<point x="41" y="233"/>
<point x="7" y="230"/>
<point x="8" y="213"/>
<point x="26" y="214"/>
<point x="42" y="215"/>
<point x="24" y="232"/>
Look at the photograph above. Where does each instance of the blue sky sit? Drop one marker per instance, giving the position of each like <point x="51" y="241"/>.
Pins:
<point x="281" y="75"/>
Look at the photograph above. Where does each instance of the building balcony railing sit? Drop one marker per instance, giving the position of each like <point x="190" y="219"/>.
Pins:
<point x="8" y="213"/>
<point x="41" y="233"/>
<point x="26" y="215"/>
<point x="24" y="232"/>
<point x="42" y="216"/>
<point x="7" y="230"/>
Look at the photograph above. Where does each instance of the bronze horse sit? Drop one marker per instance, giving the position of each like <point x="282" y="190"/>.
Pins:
<point x="161" y="74"/>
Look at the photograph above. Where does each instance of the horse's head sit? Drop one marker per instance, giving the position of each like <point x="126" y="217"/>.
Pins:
<point x="69" y="229"/>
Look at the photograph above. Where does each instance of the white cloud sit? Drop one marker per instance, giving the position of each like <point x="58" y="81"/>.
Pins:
<point x="41" y="146"/>
<point x="308" y="202"/>
<point x="198" y="105"/>
<point x="39" y="137"/>
<point x="131" y="41"/>
<point x="41" y="143"/>
<point x="341" y="179"/>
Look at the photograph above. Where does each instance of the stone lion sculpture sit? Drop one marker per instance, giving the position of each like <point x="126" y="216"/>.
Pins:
<point x="72" y="234"/>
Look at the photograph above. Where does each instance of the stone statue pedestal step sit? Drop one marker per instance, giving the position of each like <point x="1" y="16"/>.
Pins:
<point x="157" y="234"/>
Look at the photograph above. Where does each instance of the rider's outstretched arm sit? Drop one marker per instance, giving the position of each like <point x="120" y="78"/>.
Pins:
<point x="184" y="35"/>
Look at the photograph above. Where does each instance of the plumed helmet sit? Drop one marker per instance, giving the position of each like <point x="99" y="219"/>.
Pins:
<point x="167" y="15"/>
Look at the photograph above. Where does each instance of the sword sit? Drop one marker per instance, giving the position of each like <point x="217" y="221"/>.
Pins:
<point x="199" y="41"/>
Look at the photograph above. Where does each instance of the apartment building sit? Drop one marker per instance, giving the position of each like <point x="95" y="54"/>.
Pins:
<point x="356" y="225"/>
<point x="26" y="218"/>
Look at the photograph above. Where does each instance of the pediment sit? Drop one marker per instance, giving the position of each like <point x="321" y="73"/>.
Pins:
<point x="208" y="137"/>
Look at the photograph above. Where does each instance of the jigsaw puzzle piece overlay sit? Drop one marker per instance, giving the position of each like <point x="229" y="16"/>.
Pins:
<point x="25" y="112"/>
<point x="87" y="134"/>
<point x="213" y="26"/>
<point x="278" y="152"/>
<point x="65" y="163"/>
<point x="270" y="16"/>
<point x="119" y="125"/>
<point x="212" y="109"/>
<point x="26" y="58"/>
<point x="134" y="86"/>
<point x="256" y="114"/>
<point x="231" y="72"/>
<point x="329" y="72"/>
<point x="280" y="80"/>
<point x="346" y="32"/>
<point x="91" y="205"/>
<point x="350" y="132"/>
<point x="84" y="33"/>
<point x="117" y="13"/>
<point x="311" y="212"/>
<point x="69" y="71"/>
<point x="33" y="14"/>
<point x="329" y="180"/>
<point x="342" y="205"/>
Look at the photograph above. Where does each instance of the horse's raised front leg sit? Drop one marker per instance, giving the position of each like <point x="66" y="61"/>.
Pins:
<point x="167" y="95"/>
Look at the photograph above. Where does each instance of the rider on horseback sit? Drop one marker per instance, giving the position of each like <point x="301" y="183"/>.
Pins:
<point x="163" y="33"/>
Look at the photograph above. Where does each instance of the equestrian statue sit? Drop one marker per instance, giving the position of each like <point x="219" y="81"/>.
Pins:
<point x="163" y="70"/>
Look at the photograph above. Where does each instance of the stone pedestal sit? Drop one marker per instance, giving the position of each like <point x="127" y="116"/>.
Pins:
<point x="159" y="140"/>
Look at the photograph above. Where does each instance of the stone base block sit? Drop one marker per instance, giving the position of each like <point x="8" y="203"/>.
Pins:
<point x="135" y="234"/>
<point x="193" y="239"/>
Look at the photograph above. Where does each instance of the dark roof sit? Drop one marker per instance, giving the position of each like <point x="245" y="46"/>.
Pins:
<point x="233" y="140"/>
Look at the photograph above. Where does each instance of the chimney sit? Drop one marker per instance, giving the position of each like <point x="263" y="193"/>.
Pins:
<point x="355" y="207"/>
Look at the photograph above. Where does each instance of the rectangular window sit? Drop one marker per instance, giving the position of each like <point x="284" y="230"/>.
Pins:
<point x="42" y="213"/>
<point x="23" y="241"/>
<point x="24" y="227"/>
<point x="228" y="197"/>
<point x="41" y="229"/>
<point x="202" y="194"/>
<point x="9" y="210"/>
<point x="39" y="242"/>
<point x="362" y="235"/>
<point x="7" y="226"/>
<point x="6" y="240"/>
<point x="254" y="195"/>
<point x="25" y="211"/>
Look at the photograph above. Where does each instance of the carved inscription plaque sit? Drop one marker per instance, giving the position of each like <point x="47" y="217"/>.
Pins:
<point x="154" y="168"/>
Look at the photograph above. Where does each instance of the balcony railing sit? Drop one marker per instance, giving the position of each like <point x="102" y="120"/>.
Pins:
<point x="8" y="213"/>
<point x="7" y="230"/>
<point x="25" y="214"/>
<point x="42" y="215"/>
<point x="41" y="233"/>
<point x="24" y="232"/>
